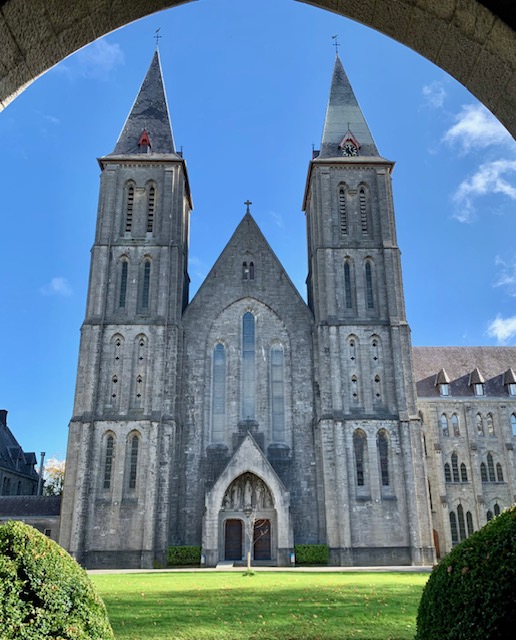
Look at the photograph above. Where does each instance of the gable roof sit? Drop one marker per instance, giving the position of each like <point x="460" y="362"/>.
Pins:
<point x="270" y="283"/>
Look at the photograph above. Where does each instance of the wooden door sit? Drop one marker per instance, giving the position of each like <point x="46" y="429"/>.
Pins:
<point x="233" y="540"/>
<point x="262" y="540"/>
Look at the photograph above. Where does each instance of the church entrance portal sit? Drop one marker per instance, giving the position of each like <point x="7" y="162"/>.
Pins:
<point x="248" y="514"/>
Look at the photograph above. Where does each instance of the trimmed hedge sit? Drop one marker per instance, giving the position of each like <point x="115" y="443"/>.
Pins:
<point x="44" y="593"/>
<point x="311" y="553"/>
<point x="184" y="556"/>
<point x="471" y="594"/>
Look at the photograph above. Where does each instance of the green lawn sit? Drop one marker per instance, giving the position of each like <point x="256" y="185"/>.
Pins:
<point x="265" y="606"/>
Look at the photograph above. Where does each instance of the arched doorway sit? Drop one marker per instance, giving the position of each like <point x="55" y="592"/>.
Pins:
<point x="248" y="490"/>
<point x="248" y="520"/>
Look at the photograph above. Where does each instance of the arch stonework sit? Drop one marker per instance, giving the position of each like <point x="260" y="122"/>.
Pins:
<point x="248" y="459"/>
<point x="463" y="37"/>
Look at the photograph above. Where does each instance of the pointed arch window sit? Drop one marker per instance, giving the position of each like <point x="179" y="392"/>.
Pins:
<point x="513" y="424"/>
<point x="377" y="387"/>
<point x="490" y="424"/>
<point x="354" y="388"/>
<point x="122" y="293"/>
<point x="455" y="467"/>
<point x="133" y="461"/>
<point x="359" y="447"/>
<point x="489" y="516"/>
<point x="369" y="285"/>
<point x="218" y="392"/>
<point x="353" y="353"/>
<point x="469" y="523"/>
<point x="151" y="208"/>
<point x="499" y="472"/>
<point x="462" y="524"/>
<point x="455" y="425"/>
<point x="145" y="286"/>
<point x="490" y="468"/>
<point x="483" y="472"/>
<point x="375" y="351"/>
<point x="248" y="367"/>
<point x="362" y="199"/>
<point x="129" y="208"/>
<point x="480" y="424"/>
<point x="444" y="425"/>
<point x="109" y="455"/>
<point x="245" y="271"/>
<point x="463" y="473"/>
<point x="447" y="472"/>
<point x="278" y="393"/>
<point x="496" y="509"/>
<point x="383" y="456"/>
<point x="348" y="299"/>
<point x="343" y="213"/>
<point x="453" y="528"/>
<point x="251" y="270"/>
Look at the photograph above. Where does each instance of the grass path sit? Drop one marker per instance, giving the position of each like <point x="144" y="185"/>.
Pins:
<point x="265" y="606"/>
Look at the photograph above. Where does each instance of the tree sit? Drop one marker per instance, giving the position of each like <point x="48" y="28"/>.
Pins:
<point x="255" y="528"/>
<point x="53" y="477"/>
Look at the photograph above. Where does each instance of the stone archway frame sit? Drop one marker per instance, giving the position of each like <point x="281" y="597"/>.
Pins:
<point x="463" y="37"/>
<point x="248" y="458"/>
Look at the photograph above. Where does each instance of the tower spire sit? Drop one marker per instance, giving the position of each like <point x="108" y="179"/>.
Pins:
<point x="149" y="115"/>
<point x="345" y="126"/>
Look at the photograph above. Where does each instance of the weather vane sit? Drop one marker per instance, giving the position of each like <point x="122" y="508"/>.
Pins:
<point x="247" y="203"/>
<point x="157" y="36"/>
<point x="336" y="43"/>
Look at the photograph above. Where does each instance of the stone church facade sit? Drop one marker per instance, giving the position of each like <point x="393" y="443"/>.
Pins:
<point x="246" y="418"/>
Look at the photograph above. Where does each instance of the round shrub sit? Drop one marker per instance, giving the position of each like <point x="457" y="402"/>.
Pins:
<point x="44" y="593"/>
<point x="471" y="594"/>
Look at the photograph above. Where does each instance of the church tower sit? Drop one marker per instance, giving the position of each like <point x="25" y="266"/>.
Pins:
<point x="372" y="488"/>
<point x="123" y="431"/>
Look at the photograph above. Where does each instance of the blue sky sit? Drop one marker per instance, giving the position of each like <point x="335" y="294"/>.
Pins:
<point x="247" y="86"/>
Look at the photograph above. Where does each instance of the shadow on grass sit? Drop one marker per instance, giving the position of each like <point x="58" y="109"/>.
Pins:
<point x="266" y="606"/>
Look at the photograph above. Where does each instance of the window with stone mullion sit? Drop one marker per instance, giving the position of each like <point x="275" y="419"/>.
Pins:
<point x="248" y="367"/>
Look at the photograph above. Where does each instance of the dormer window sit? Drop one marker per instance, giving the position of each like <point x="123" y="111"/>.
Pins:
<point x="477" y="383"/>
<point x="144" y="142"/>
<point x="442" y="381"/>
<point x="509" y="380"/>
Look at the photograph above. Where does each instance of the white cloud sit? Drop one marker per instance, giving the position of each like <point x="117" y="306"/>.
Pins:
<point x="507" y="275"/>
<point x="435" y="94"/>
<point x="57" y="287"/>
<point x="503" y="329"/>
<point x="94" y="61"/>
<point x="476" y="127"/>
<point x="490" y="178"/>
<point x="277" y="218"/>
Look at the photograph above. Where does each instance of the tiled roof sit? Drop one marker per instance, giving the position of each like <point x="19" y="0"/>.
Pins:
<point x="148" y="115"/>
<point x="12" y="456"/>
<point x="460" y="363"/>
<point x="29" y="506"/>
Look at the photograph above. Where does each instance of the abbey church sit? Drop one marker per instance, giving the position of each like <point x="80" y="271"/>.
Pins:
<point x="248" y="419"/>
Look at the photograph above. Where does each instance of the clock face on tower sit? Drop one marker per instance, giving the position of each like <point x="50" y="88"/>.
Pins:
<point x="349" y="148"/>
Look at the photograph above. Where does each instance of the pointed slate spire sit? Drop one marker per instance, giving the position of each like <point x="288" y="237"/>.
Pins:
<point x="149" y="119"/>
<point x="345" y="128"/>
